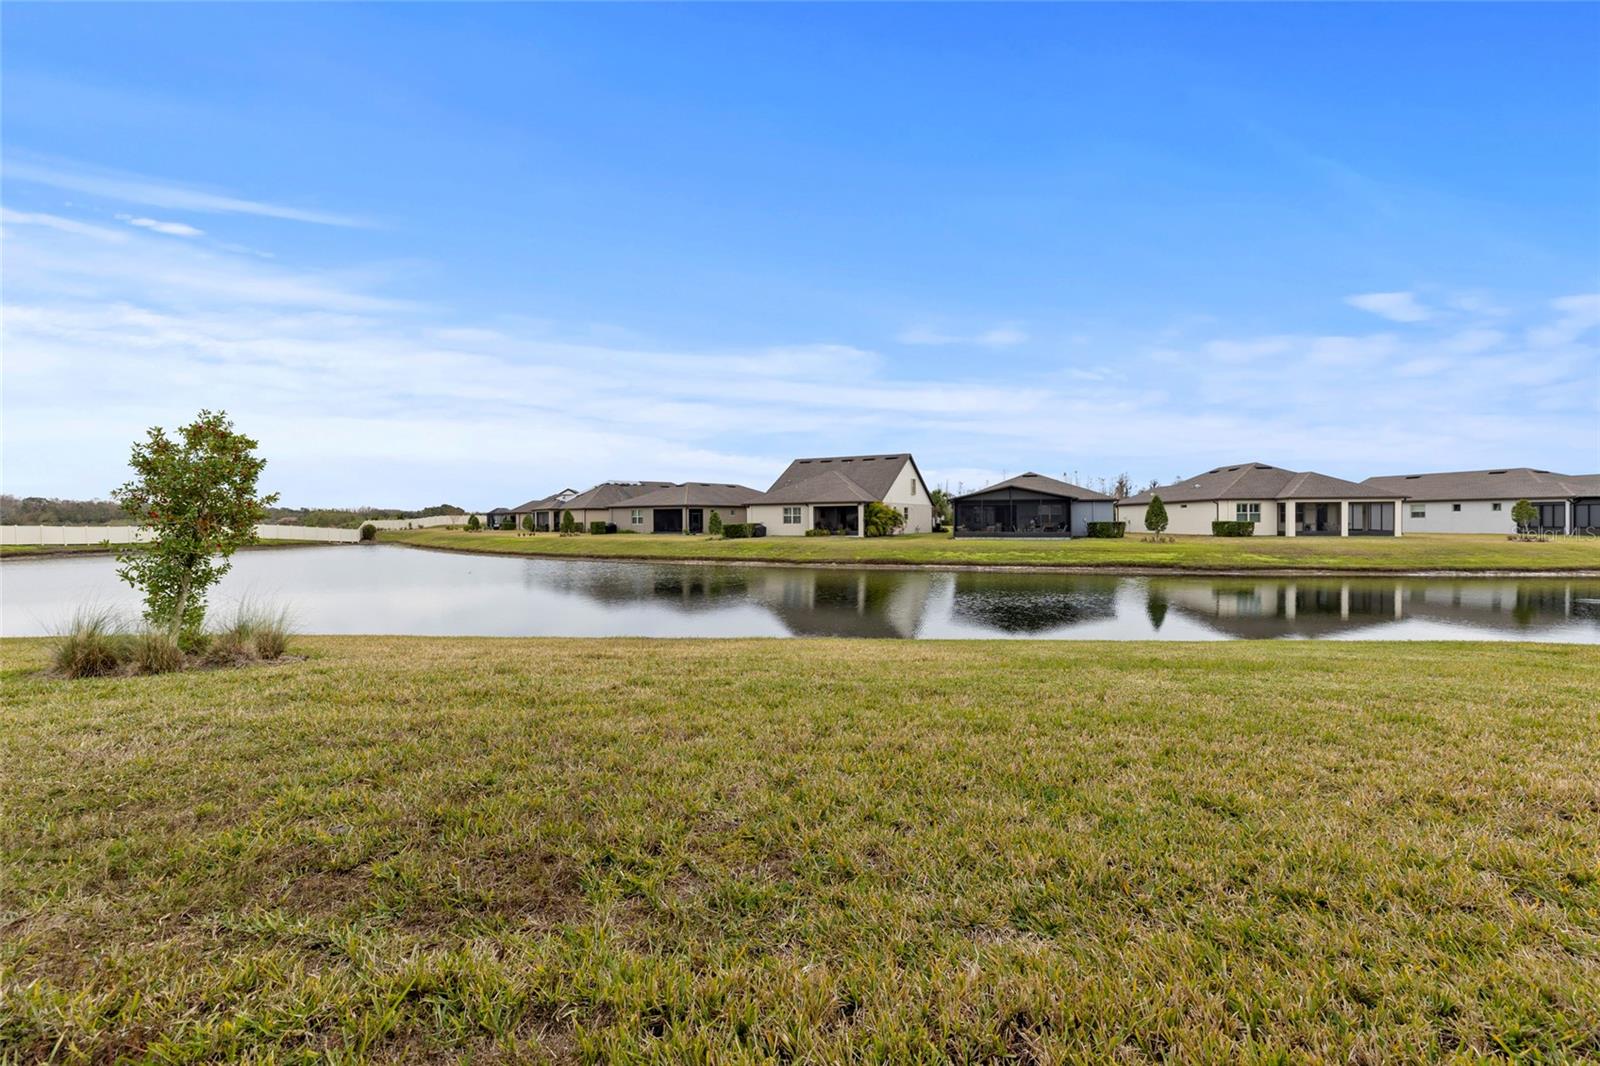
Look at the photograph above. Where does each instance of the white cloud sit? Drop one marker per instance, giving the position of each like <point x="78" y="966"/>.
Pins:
<point x="171" y="229"/>
<point x="155" y="192"/>
<point x="1395" y="306"/>
<point x="1578" y="315"/>
<point x="1005" y="335"/>
<point x="362" y="397"/>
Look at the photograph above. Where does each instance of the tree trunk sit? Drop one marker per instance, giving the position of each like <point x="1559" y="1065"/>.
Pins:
<point x="177" y="612"/>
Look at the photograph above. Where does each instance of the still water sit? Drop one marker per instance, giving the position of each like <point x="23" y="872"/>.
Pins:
<point x="392" y="589"/>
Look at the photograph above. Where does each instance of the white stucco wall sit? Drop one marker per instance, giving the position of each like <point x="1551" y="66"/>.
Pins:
<point x="909" y="495"/>
<point x="1475" y="516"/>
<point x="1182" y="518"/>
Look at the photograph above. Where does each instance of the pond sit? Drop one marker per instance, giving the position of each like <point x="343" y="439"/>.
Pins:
<point x="393" y="589"/>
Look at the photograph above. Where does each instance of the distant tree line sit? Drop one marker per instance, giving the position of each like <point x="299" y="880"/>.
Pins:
<point x="49" y="511"/>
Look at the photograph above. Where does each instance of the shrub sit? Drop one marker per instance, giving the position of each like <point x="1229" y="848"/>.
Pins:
<point x="1525" y="515"/>
<point x="1233" y="529"/>
<point x="569" y="525"/>
<point x="882" y="519"/>
<point x="473" y="525"/>
<point x="1108" y="530"/>
<point x="369" y="533"/>
<point x="94" y="644"/>
<point x="154" y="652"/>
<point x="714" y="523"/>
<point x="597" y="527"/>
<point x="527" y="523"/>
<point x="254" y="631"/>
<point x="1155" y="516"/>
<point x="736" y="531"/>
<point x="819" y="532"/>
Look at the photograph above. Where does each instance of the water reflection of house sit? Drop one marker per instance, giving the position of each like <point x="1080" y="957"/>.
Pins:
<point x="1033" y="603"/>
<point x="1316" y="607"/>
<point x="808" y="602"/>
<point x="853" y="603"/>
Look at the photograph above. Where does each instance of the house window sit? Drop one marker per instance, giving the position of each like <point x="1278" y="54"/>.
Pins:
<point x="791" y="516"/>
<point x="1494" y="506"/>
<point x="1248" y="512"/>
<point x="1419" y="510"/>
<point x="636" y="517"/>
<point x="913" y="486"/>
<point x="1455" y="507"/>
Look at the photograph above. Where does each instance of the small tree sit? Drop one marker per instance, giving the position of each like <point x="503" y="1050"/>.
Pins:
<point x="943" y="513"/>
<point x="369" y="532"/>
<point x="473" y="525"/>
<point x="195" y="499"/>
<point x="882" y="520"/>
<point x="1122" y="487"/>
<point x="527" y="523"/>
<point x="1155" y="517"/>
<point x="714" y="523"/>
<point x="569" y="525"/>
<point x="1525" y="515"/>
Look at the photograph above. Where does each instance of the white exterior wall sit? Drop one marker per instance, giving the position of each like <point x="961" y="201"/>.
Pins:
<point x="1185" y="518"/>
<point x="1091" y="511"/>
<point x="431" y="522"/>
<point x="908" y="494"/>
<point x="1475" y="516"/>
<point x="771" y="516"/>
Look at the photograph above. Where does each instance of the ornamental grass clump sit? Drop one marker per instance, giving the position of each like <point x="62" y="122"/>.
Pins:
<point x="151" y="651"/>
<point x="94" y="644"/>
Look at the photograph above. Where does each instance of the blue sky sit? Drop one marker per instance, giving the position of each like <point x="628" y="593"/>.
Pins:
<point x="479" y="253"/>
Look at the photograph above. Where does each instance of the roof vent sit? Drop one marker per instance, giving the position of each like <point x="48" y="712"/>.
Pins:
<point x="1231" y="469"/>
<point x="1260" y="467"/>
<point x="1496" y="471"/>
<point x="1412" y="477"/>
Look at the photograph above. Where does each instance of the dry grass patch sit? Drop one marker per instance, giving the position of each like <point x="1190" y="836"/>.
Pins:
<point x="406" y="849"/>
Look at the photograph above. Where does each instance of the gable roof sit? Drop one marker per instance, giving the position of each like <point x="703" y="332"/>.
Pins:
<point x="1259" y="481"/>
<point x="1049" y="486"/>
<point x="612" y="493"/>
<point x="695" y="494"/>
<point x="1510" y="483"/>
<point x="544" y="503"/>
<point x="828" y="487"/>
<point x="840" y="479"/>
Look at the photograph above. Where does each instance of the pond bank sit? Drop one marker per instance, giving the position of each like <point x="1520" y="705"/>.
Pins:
<point x="1422" y="556"/>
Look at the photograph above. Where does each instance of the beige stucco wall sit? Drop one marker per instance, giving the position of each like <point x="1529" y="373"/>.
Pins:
<point x="771" y="515"/>
<point x="910" y="496"/>
<point x="623" y="516"/>
<point x="1475" y="516"/>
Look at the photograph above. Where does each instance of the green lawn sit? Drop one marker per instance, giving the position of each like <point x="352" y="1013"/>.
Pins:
<point x="736" y="851"/>
<point x="1422" y="552"/>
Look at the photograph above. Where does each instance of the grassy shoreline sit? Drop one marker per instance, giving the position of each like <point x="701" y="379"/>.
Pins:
<point x="1420" y="554"/>
<point x="567" y="850"/>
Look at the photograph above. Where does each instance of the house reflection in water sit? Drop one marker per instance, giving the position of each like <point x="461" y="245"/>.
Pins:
<point x="1033" y="603"/>
<point x="1316" y="607"/>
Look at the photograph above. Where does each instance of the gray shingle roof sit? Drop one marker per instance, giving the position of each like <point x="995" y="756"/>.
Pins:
<point x="612" y="494"/>
<point x="696" y="494"/>
<point x="1259" y="481"/>
<point x="1039" y="483"/>
<point x="830" y="486"/>
<point x="839" y="479"/>
<point x="542" y="504"/>
<point x="1510" y="483"/>
<point x="875" y="473"/>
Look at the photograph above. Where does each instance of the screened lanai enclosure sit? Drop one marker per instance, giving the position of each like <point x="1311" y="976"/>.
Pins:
<point x="1029" y="505"/>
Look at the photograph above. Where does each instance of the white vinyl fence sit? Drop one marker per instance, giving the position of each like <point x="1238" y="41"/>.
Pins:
<point x="129" y="534"/>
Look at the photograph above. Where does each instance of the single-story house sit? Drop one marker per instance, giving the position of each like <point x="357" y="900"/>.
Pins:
<point x="1285" y="503"/>
<point x="684" y="508"/>
<point x="1031" y="505"/>
<point x="542" y="510"/>
<point x="591" y="505"/>
<point x="832" y="493"/>
<point x="500" y="518"/>
<point x="1480" y="501"/>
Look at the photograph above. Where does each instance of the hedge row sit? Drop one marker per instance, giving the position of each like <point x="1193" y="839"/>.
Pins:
<point x="1108" y="530"/>
<point x="1233" y="529"/>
